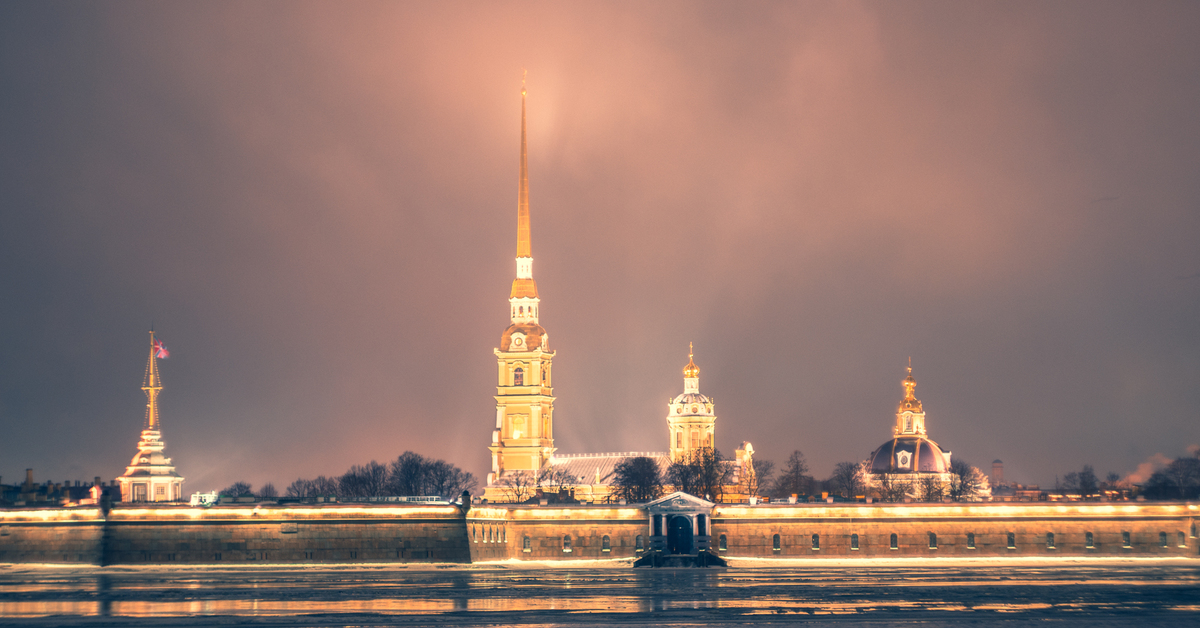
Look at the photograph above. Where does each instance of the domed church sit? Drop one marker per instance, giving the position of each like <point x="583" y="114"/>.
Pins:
<point x="910" y="451"/>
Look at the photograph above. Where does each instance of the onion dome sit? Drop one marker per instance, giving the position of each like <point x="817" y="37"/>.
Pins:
<point x="523" y="337"/>
<point x="909" y="454"/>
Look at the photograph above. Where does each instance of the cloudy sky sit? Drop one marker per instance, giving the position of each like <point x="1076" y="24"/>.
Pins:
<point x="315" y="206"/>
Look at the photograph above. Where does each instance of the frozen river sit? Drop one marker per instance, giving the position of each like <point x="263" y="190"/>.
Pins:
<point x="1083" y="592"/>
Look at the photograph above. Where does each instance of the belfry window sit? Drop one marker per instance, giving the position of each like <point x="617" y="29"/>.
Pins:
<point x="695" y="439"/>
<point x="908" y="424"/>
<point x="678" y="440"/>
<point x="518" y="376"/>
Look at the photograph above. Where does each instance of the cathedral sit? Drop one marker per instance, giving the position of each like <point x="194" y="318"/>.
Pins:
<point x="523" y="439"/>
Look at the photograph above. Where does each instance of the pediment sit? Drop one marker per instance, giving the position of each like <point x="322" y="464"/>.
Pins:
<point x="679" y="502"/>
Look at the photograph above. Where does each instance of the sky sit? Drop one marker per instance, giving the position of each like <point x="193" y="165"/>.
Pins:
<point x="314" y="205"/>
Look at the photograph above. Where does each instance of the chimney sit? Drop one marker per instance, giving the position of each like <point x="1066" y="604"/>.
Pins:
<point x="28" y="477"/>
<point x="96" y="482"/>
<point x="77" y="483"/>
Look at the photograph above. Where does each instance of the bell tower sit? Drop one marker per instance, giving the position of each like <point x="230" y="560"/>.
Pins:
<point x="691" y="418"/>
<point x="523" y="439"/>
<point x="910" y="415"/>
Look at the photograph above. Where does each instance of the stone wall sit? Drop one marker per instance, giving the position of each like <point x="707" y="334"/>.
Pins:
<point x="243" y="533"/>
<point x="1152" y="529"/>
<point x="554" y="532"/>
<point x="57" y="535"/>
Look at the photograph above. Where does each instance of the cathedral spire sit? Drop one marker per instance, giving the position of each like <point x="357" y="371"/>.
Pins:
<point x="524" y="245"/>
<point x="152" y="384"/>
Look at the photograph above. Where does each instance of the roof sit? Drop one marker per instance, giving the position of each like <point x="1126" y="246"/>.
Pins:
<point x="584" y="466"/>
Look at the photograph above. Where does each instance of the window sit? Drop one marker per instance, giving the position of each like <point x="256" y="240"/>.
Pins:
<point x="932" y="540"/>
<point x="895" y="541"/>
<point x="970" y="540"/>
<point x="605" y="544"/>
<point x="639" y="544"/>
<point x="695" y="439"/>
<point x="853" y="541"/>
<point x="527" y="544"/>
<point x="679" y="440"/>
<point x="816" y="541"/>
<point x="1049" y="540"/>
<point x="518" y="376"/>
<point x="474" y="534"/>
<point x="1162" y="539"/>
<point x="721" y="544"/>
<point x="775" y="544"/>
<point x="160" y="491"/>
<point x="1182" y="540"/>
<point x="1193" y="530"/>
<point x="1089" y="540"/>
<point x="1012" y="540"/>
<point x="658" y="525"/>
<point x="1125" y="539"/>
<point x="566" y="543"/>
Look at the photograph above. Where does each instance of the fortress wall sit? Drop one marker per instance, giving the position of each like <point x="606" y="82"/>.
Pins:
<point x="157" y="534"/>
<point x="750" y="531"/>
<point x="51" y="535"/>
<point x="293" y="533"/>
<point x="546" y="527"/>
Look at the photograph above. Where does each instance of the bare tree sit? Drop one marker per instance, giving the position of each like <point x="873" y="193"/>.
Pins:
<point x="325" y="486"/>
<point x="756" y="476"/>
<point x="239" y="489"/>
<point x="517" y="487"/>
<point x="793" y="478"/>
<point x="931" y="488"/>
<point x="847" y="476"/>
<point x="268" y="491"/>
<point x="702" y="472"/>
<point x="447" y="480"/>
<point x="1184" y="473"/>
<point x="965" y="480"/>
<point x="555" y="481"/>
<point x="301" y="489"/>
<point x="368" y="480"/>
<point x="408" y="474"/>
<point x="1088" y="484"/>
<point x="637" y="480"/>
<point x="892" y="487"/>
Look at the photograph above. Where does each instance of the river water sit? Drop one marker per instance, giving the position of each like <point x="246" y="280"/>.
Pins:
<point x="903" y="592"/>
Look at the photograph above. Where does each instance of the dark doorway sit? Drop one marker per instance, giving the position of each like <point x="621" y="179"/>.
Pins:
<point x="679" y="535"/>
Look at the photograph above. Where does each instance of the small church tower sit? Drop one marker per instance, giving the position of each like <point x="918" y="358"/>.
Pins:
<point x="691" y="421"/>
<point x="150" y="476"/>
<point x="523" y="439"/>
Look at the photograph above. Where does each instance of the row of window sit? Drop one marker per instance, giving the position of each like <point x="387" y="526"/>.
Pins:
<point x="497" y="534"/>
<point x="1089" y="541"/>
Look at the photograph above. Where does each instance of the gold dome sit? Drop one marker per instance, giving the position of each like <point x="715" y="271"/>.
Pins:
<point x="691" y="370"/>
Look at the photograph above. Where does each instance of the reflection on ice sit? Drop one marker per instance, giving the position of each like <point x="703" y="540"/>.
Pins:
<point x="887" y="592"/>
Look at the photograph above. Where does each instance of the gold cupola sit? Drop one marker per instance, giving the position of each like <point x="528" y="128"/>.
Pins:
<point x="691" y="371"/>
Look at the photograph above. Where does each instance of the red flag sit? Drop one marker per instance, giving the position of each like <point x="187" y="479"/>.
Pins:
<point x="160" y="351"/>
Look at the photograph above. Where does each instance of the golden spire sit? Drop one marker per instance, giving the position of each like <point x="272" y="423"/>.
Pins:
<point x="524" y="248"/>
<point x="691" y="370"/>
<point x="910" y="384"/>
<point x="152" y="385"/>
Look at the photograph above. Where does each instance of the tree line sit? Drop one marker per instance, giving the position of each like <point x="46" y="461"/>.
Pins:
<point x="410" y="474"/>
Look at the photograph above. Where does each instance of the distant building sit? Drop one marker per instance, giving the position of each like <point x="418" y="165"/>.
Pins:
<point x="151" y="476"/>
<point x="997" y="478"/>
<point x="910" y="451"/>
